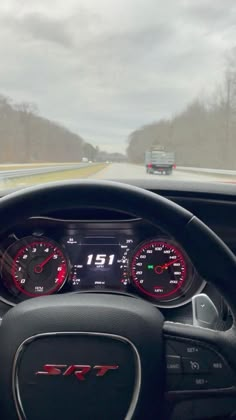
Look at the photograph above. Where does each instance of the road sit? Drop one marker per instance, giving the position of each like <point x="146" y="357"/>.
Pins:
<point x="129" y="171"/>
<point x="125" y="171"/>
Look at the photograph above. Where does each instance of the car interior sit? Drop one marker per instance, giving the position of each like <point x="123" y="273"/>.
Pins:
<point x="118" y="301"/>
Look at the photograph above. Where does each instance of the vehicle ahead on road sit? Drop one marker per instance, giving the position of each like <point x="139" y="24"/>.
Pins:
<point x="159" y="161"/>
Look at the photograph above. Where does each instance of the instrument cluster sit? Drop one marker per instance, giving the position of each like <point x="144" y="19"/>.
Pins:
<point x="47" y="256"/>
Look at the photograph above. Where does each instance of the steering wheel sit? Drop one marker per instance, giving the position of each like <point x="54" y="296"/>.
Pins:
<point x="112" y="355"/>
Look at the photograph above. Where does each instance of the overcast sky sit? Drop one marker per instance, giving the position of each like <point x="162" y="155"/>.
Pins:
<point x="104" y="68"/>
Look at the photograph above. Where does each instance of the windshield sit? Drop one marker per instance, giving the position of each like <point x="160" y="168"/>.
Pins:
<point x="117" y="90"/>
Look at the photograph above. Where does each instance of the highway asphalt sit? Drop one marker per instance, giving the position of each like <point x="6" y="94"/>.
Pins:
<point x="119" y="171"/>
<point x="116" y="171"/>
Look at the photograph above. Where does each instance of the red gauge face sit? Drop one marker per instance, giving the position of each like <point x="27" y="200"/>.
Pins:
<point x="159" y="270"/>
<point x="39" y="268"/>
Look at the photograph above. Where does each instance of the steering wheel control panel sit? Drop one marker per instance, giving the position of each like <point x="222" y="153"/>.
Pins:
<point x="192" y="367"/>
<point x="47" y="256"/>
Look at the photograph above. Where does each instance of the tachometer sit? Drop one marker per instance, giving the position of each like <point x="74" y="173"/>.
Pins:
<point x="37" y="267"/>
<point x="159" y="270"/>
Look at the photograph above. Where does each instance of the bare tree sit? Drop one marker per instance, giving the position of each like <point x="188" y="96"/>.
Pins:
<point x="25" y="136"/>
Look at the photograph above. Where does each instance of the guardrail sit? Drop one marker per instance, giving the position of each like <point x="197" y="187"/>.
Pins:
<point x="220" y="172"/>
<point x="18" y="173"/>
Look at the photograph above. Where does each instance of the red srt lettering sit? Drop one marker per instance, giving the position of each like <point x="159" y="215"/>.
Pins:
<point x="102" y="370"/>
<point x="78" y="370"/>
<point x="51" y="370"/>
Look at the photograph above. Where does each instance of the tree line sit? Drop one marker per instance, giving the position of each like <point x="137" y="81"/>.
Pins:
<point x="202" y="135"/>
<point x="27" y="137"/>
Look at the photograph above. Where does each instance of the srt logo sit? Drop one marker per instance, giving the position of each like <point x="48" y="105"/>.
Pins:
<point x="78" y="370"/>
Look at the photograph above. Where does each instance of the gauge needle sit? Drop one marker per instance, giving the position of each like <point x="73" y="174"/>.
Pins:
<point x="169" y="263"/>
<point x="39" y="267"/>
<point x="160" y="268"/>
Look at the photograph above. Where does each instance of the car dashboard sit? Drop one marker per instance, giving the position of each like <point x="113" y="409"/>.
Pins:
<point x="49" y="255"/>
<point x="98" y="251"/>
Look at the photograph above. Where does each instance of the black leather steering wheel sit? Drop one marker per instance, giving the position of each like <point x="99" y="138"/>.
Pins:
<point x="103" y="356"/>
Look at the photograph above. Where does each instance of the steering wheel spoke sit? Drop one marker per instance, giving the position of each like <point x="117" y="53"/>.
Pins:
<point x="198" y="360"/>
<point x="200" y="372"/>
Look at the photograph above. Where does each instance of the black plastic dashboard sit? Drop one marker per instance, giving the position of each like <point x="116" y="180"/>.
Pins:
<point x="79" y="250"/>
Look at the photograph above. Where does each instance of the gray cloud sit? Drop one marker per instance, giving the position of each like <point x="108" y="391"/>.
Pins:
<point x="41" y="27"/>
<point x="104" y="69"/>
<point x="207" y="12"/>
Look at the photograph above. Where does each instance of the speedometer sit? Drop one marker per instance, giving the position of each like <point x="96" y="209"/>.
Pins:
<point x="159" y="270"/>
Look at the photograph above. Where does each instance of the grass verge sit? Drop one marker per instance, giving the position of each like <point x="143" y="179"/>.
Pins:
<point x="25" y="181"/>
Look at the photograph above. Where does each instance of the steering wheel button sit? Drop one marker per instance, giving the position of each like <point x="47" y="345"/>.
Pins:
<point x="195" y="382"/>
<point x="194" y="365"/>
<point x="173" y="364"/>
<point x="185" y="349"/>
<point x="201" y="381"/>
<point x="217" y="366"/>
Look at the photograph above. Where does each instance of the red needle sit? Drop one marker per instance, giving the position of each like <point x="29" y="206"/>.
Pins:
<point x="39" y="267"/>
<point x="46" y="261"/>
<point x="169" y="263"/>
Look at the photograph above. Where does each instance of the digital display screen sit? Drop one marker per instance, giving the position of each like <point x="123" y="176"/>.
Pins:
<point x="98" y="262"/>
